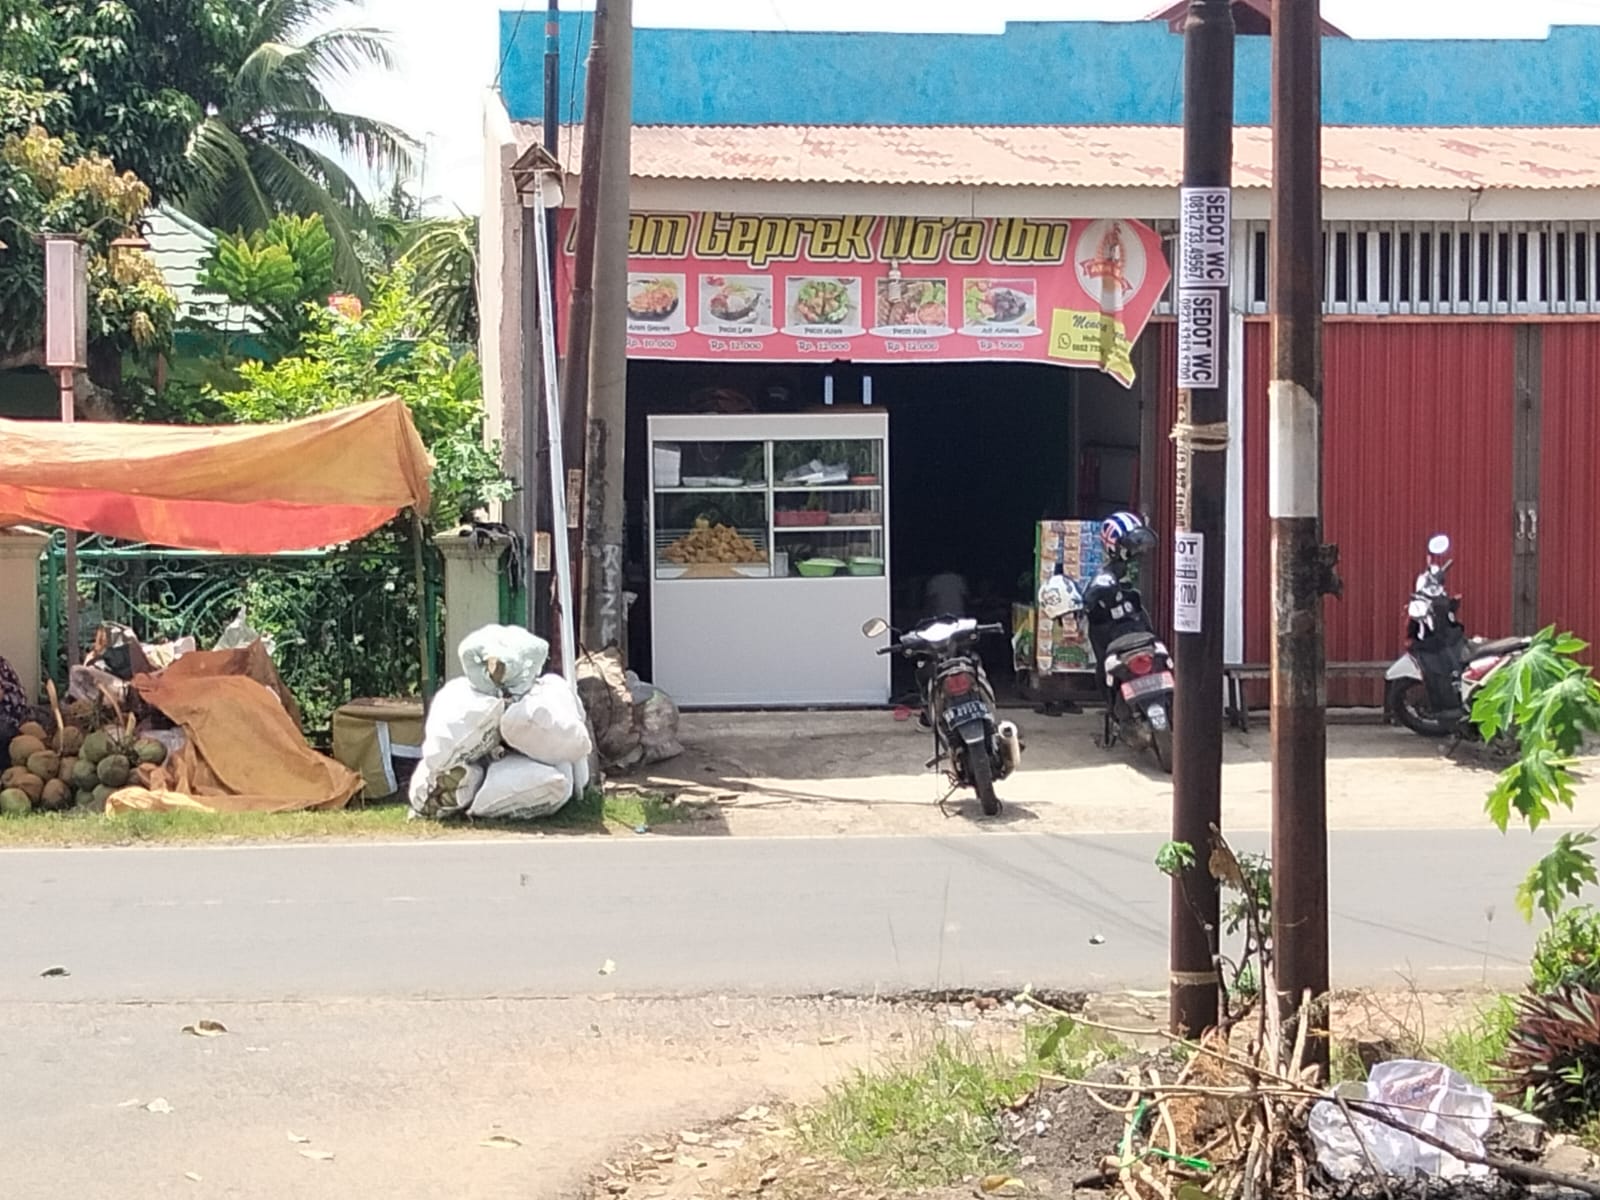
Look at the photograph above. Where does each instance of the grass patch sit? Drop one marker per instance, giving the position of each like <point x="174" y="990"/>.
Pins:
<point x="591" y="813"/>
<point x="1475" y="1046"/>
<point x="932" y="1120"/>
<point x="599" y="813"/>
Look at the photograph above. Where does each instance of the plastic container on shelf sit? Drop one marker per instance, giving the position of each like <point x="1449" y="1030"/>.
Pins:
<point x="866" y="565"/>
<point x="819" y="568"/>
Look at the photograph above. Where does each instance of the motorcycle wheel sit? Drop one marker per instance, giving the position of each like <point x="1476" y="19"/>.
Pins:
<point x="982" y="773"/>
<point x="1161" y="743"/>
<point x="1408" y="700"/>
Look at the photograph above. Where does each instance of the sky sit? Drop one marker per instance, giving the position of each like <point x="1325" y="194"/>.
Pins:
<point x="447" y="51"/>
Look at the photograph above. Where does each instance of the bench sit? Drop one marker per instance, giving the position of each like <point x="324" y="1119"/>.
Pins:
<point x="1236" y="675"/>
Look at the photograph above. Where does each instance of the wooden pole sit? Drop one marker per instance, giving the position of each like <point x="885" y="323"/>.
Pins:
<point x="608" y="349"/>
<point x="1198" y="540"/>
<point x="580" y="312"/>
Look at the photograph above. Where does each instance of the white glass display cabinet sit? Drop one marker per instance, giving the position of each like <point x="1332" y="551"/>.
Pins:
<point x="770" y="537"/>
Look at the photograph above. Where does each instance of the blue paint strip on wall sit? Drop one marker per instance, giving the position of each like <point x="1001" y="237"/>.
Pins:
<point x="1047" y="73"/>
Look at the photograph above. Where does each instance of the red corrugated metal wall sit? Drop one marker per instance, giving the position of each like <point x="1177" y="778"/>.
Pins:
<point x="1417" y="439"/>
<point x="1257" y="529"/>
<point x="1569" y="494"/>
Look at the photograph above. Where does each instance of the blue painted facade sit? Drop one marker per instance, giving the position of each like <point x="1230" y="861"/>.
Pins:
<point x="1047" y="73"/>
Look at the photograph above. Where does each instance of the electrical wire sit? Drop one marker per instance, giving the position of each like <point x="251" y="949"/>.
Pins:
<point x="511" y="40"/>
<point x="572" y="90"/>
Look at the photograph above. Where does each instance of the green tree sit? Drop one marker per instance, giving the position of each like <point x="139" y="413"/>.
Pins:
<point x="352" y="354"/>
<point x="281" y="273"/>
<point x="257" y="152"/>
<point x="218" y="106"/>
<point x="47" y="187"/>
<point x="1551" y="702"/>
<point x="132" y="79"/>
<point x="444" y="254"/>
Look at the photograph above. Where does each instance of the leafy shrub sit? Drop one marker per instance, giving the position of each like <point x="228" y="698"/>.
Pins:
<point x="1552" y="1059"/>
<point x="1568" y="953"/>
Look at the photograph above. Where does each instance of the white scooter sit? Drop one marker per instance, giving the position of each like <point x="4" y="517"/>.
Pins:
<point x="1430" y="688"/>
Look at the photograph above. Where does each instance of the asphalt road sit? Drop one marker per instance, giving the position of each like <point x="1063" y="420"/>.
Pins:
<point x="680" y="915"/>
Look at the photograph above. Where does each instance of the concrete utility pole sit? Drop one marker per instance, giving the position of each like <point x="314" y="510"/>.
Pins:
<point x="575" y="377"/>
<point x="1201" y="437"/>
<point x="1302" y="567"/>
<point x="608" y="352"/>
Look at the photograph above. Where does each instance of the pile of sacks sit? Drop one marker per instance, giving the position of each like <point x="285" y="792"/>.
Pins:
<point x="502" y="742"/>
<point x="634" y="723"/>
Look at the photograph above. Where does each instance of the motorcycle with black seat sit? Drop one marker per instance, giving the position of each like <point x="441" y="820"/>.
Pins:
<point x="970" y="743"/>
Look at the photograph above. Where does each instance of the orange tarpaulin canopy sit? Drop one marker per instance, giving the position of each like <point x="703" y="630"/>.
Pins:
<point x="237" y="489"/>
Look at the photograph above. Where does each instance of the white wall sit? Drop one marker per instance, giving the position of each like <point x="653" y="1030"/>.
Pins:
<point x="500" y="342"/>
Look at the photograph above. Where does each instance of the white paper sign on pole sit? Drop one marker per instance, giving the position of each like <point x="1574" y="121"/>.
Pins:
<point x="1204" y="238"/>
<point x="1200" y="320"/>
<point x="1188" y="563"/>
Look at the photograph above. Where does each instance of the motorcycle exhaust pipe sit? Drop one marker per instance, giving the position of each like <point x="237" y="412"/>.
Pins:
<point x="1010" y="745"/>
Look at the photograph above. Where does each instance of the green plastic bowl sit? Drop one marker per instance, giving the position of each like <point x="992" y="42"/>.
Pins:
<point x="866" y="566"/>
<point x="819" y="568"/>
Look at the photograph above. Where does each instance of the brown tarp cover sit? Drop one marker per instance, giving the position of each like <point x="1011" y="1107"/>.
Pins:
<point x="235" y="489"/>
<point x="244" y="751"/>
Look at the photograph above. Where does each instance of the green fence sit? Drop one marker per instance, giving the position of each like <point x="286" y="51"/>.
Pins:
<point x="343" y="622"/>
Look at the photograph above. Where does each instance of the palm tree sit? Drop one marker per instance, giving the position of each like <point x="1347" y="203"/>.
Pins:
<point x="444" y="254"/>
<point x="272" y="146"/>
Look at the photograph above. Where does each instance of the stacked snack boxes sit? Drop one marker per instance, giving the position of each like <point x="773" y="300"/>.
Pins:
<point x="1022" y="625"/>
<point x="1063" y="646"/>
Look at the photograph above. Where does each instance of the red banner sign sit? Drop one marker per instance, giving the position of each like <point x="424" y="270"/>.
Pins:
<point x="715" y="286"/>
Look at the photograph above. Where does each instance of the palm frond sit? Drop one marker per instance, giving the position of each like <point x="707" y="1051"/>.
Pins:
<point x="303" y="181"/>
<point x="444" y="256"/>
<point x="224" y="192"/>
<point x="377" y="144"/>
<point x="346" y="50"/>
<point x="284" y="19"/>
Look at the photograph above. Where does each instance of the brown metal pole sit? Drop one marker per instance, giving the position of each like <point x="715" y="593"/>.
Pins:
<point x="1302" y="569"/>
<point x="69" y="412"/>
<point x="608" y="349"/>
<point x="1205" y="241"/>
<point x="580" y="312"/>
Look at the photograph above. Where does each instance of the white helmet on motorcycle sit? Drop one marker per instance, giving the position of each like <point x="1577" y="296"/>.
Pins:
<point x="1059" y="597"/>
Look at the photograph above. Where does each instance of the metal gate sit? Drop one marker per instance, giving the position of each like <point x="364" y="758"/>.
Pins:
<point x="344" y="622"/>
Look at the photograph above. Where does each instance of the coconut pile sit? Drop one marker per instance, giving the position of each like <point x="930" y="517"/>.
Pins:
<point x="79" y="765"/>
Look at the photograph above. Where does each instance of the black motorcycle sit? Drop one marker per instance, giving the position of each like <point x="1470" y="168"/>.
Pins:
<point x="975" y="749"/>
<point x="1134" y="666"/>
<point x="1431" y="687"/>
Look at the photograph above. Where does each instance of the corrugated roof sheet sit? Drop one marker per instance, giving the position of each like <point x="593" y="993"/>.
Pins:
<point x="1099" y="156"/>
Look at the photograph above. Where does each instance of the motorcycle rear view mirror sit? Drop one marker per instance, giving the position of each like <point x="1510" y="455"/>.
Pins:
<point x="1439" y="544"/>
<point x="876" y="627"/>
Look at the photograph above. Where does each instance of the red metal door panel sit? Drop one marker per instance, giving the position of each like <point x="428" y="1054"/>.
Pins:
<point x="1569" y="486"/>
<point x="1418" y="432"/>
<point x="1257" y="526"/>
<point x="1417" y="439"/>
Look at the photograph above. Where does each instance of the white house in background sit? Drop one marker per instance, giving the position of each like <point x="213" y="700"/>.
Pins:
<point x="179" y="246"/>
